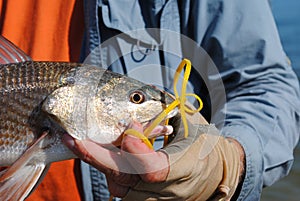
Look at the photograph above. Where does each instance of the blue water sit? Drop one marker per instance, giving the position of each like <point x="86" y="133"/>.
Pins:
<point x="287" y="16"/>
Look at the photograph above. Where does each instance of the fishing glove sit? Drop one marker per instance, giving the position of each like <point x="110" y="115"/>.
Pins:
<point x="203" y="166"/>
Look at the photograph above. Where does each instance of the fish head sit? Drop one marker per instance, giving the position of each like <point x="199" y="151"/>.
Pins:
<point x="97" y="104"/>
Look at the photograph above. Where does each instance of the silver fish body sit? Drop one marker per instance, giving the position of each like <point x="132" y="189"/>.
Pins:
<point x="40" y="101"/>
<point x="99" y="104"/>
<point x="23" y="87"/>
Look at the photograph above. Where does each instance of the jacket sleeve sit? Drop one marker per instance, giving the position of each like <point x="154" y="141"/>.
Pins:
<point x="262" y="91"/>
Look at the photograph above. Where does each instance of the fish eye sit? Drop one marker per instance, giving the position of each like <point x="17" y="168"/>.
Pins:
<point x="137" y="97"/>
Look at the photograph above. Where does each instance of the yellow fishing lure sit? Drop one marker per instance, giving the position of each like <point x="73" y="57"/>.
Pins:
<point x="178" y="102"/>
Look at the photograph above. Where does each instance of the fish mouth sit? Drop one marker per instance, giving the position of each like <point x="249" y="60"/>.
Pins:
<point x="171" y="114"/>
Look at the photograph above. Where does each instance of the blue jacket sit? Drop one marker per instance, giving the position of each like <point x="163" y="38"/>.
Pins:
<point x="249" y="90"/>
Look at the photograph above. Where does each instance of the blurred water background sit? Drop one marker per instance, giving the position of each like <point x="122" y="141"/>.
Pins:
<point x="287" y="16"/>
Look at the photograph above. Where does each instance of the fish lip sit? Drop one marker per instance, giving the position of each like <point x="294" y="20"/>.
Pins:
<point x="168" y="98"/>
<point x="165" y="97"/>
<point x="172" y="113"/>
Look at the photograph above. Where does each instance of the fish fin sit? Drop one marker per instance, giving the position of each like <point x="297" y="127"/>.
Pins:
<point x="10" y="53"/>
<point x="40" y="179"/>
<point x="20" y="178"/>
<point x="22" y="183"/>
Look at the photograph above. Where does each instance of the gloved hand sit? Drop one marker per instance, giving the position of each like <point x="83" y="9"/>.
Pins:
<point x="200" y="167"/>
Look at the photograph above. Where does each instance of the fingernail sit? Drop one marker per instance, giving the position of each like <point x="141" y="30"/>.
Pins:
<point x="167" y="130"/>
<point x="161" y="130"/>
<point x="164" y="130"/>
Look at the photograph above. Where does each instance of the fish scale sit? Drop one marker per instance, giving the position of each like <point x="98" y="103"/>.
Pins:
<point x="23" y="86"/>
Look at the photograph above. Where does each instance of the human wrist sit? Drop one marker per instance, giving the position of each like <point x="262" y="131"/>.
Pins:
<point x="242" y="157"/>
<point x="242" y="166"/>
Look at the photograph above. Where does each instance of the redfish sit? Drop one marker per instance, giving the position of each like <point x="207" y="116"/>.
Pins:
<point x="41" y="101"/>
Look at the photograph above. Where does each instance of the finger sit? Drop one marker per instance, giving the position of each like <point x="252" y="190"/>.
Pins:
<point x="101" y="158"/>
<point x="152" y="166"/>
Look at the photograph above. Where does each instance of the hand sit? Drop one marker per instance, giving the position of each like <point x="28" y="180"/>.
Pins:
<point x="179" y="171"/>
<point x="116" y="163"/>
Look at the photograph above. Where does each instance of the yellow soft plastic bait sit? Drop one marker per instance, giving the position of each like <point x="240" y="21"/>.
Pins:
<point x="178" y="102"/>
